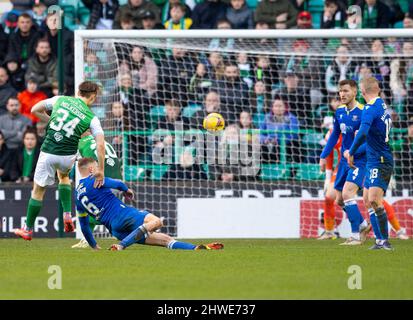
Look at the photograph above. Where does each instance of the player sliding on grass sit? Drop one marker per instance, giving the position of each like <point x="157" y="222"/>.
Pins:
<point x="69" y="119"/>
<point x="87" y="149"/>
<point x="125" y="223"/>
<point x="348" y="180"/>
<point x="375" y="130"/>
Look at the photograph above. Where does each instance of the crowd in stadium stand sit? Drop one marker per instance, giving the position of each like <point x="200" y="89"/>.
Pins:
<point x="261" y="92"/>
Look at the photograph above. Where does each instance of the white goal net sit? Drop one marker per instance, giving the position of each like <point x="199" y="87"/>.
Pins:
<point x="277" y="91"/>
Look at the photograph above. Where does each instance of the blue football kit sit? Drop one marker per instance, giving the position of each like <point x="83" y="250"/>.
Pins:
<point x="103" y="205"/>
<point x="375" y="130"/>
<point x="346" y="123"/>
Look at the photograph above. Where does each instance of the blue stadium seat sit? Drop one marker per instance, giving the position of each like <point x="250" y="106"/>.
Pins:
<point x="252" y="4"/>
<point x="122" y="2"/>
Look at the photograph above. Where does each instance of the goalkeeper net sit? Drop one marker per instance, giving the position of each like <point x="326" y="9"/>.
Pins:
<point x="277" y="91"/>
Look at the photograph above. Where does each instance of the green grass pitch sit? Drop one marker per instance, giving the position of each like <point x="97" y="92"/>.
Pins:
<point x="245" y="269"/>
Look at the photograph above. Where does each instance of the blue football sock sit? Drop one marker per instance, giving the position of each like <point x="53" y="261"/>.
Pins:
<point x="181" y="245"/>
<point x="134" y="236"/>
<point x="383" y="223"/>
<point x="375" y="225"/>
<point x="353" y="214"/>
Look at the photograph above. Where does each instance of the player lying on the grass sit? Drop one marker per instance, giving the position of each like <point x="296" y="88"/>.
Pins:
<point x="375" y="133"/>
<point x="348" y="180"/>
<point x="69" y="119"/>
<point x="87" y="149"/>
<point x="127" y="224"/>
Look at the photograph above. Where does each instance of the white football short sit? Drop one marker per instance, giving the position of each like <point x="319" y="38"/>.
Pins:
<point x="48" y="164"/>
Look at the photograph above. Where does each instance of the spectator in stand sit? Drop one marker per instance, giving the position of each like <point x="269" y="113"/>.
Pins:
<point x="200" y="84"/>
<point x="4" y="42"/>
<point x="401" y="79"/>
<point x="28" y="98"/>
<point x="23" y="41"/>
<point x="10" y="22"/>
<point x="233" y="92"/>
<point x="41" y="127"/>
<point x="102" y="14"/>
<point x="245" y="68"/>
<point x="279" y="14"/>
<point x="13" y="124"/>
<point x="178" y="20"/>
<point x="144" y="71"/>
<point x="25" y="157"/>
<point x="137" y="108"/>
<point x="334" y="15"/>
<point x="206" y="14"/>
<point x="308" y="69"/>
<point x="380" y="67"/>
<point x="149" y="21"/>
<point x="175" y="75"/>
<point x="259" y="102"/>
<point x="408" y="19"/>
<point x="304" y="20"/>
<point x="92" y="68"/>
<point x="279" y="119"/>
<point x="212" y="104"/>
<point x="39" y="13"/>
<point x="43" y="67"/>
<point x="343" y="67"/>
<point x="16" y="73"/>
<point x="375" y="14"/>
<point x="404" y="158"/>
<point x="217" y="43"/>
<point x="265" y="70"/>
<point x="239" y="15"/>
<point x="166" y="9"/>
<point x="126" y="21"/>
<point x="116" y="122"/>
<point x="6" y="160"/>
<point x="69" y="70"/>
<point x="6" y="90"/>
<point x="215" y="66"/>
<point x="135" y="8"/>
<point x="299" y="4"/>
<point x="296" y="99"/>
<point x="51" y="32"/>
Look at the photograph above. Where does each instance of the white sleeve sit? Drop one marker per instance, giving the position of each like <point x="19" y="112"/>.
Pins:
<point x="49" y="103"/>
<point x="95" y="127"/>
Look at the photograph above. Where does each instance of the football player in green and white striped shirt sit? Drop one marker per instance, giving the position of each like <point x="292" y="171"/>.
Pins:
<point x="70" y="118"/>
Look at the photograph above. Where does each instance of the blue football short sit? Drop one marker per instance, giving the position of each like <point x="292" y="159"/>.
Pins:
<point x="128" y="220"/>
<point x="345" y="173"/>
<point x="378" y="175"/>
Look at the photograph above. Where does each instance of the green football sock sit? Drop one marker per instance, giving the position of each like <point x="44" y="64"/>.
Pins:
<point x="33" y="210"/>
<point x="65" y="196"/>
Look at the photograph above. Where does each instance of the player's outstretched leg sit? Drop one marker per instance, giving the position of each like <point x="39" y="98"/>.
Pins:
<point x="65" y="196"/>
<point x="162" y="239"/>
<point x="33" y="209"/>
<point x="329" y="214"/>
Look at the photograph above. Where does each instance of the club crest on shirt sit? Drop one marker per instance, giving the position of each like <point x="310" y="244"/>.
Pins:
<point x="355" y="118"/>
<point x="58" y="136"/>
<point x="343" y="128"/>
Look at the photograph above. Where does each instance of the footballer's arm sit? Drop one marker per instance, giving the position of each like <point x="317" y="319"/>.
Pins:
<point x="97" y="132"/>
<point x="87" y="233"/>
<point x="41" y="108"/>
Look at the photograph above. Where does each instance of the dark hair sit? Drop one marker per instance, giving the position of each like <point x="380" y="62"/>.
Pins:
<point x="87" y="88"/>
<point x="173" y="103"/>
<point x="30" y="130"/>
<point x="42" y="40"/>
<point x="84" y="162"/>
<point x="351" y="83"/>
<point x="223" y="20"/>
<point x="179" y="5"/>
<point x="12" y="98"/>
<point x="25" y="15"/>
<point x="126" y="17"/>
